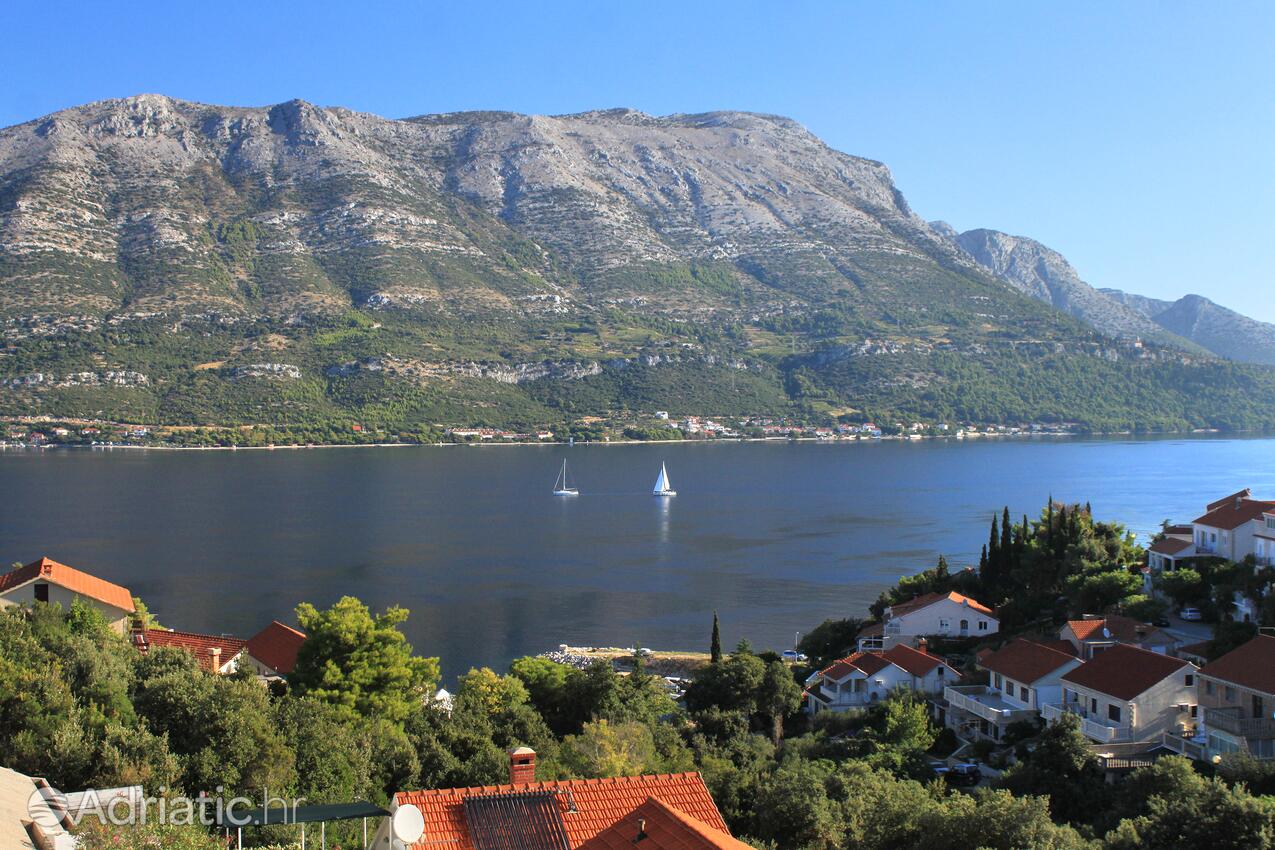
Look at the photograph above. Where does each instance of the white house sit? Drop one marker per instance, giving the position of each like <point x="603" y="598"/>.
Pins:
<point x="865" y="678"/>
<point x="1237" y="698"/>
<point x="934" y="614"/>
<point x="1235" y="527"/>
<point x="1023" y="675"/>
<point x="46" y="580"/>
<point x="31" y="816"/>
<point x="1177" y="543"/>
<point x="1126" y="694"/>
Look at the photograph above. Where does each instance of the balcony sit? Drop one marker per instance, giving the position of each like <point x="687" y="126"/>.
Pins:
<point x="1093" y="728"/>
<point x="987" y="703"/>
<point x="1192" y="748"/>
<point x="1233" y="721"/>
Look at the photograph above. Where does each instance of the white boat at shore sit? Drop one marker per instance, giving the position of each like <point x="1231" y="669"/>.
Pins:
<point x="662" y="485"/>
<point x="560" y="485"/>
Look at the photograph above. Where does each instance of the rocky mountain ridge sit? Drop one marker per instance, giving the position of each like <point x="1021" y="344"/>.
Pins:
<point x="295" y="263"/>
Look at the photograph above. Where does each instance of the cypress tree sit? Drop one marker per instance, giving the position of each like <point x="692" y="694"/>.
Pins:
<point x="991" y="576"/>
<point x="715" y="648"/>
<point x="1049" y="521"/>
<point x="1007" y="564"/>
<point x="982" y="561"/>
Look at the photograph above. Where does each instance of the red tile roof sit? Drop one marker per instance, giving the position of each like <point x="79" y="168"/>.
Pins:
<point x="915" y="662"/>
<point x="867" y="663"/>
<point x="1251" y="665"/>
<point x="599" y="804"/>
<point x="928" y="599"/>
<point x="664" y="828"/>
<point x="1124" y="671"/>
<point x="1119" y="628"/>
<point x="276" y="646"/>
<point x="198" y="645"/>
<point x="70" y="578"/>
<point x="1170" y="546"/>
<point x="1025" y="661"/>
<point x="1229" y="500"/>
<point x="1234" y="511"/>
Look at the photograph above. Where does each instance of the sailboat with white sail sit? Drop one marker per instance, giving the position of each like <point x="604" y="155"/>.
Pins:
<point x="662" y="485"/>
<point x="561" y="486"/>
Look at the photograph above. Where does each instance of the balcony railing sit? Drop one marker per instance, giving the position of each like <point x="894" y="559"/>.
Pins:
<point x="1183" y="746"/>
<point x="987" y="703"/>
<point x="1092" y="728"/>
<point x="1232" y="720"/>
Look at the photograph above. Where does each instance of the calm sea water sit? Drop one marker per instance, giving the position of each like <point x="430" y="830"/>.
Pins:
<point x="774" y="536"/>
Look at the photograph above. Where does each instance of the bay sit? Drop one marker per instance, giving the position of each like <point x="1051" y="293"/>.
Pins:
<point x="775" y="537"/>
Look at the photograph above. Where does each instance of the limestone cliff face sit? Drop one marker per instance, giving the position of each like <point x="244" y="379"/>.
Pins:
<point x="150" y="204"/>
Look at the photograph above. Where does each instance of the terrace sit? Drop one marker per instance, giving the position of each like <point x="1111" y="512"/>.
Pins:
<point x="987" y="703"/>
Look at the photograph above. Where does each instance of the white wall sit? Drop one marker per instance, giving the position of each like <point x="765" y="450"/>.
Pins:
<point x="942" y="618"/>
<point x="25" y="595"/>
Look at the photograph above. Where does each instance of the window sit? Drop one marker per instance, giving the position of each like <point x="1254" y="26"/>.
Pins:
<point x="41" y="593"/>
<point x="1259" y="708"/>
<point x="1009" y="687"/>
<point x="945" y="625"/>
<point x="1113" y="713"/>
<point x="982" y="625"/>
<point x="996" y="680"/>
<point x="1208" y="687"/>
<point x="1189" y="681"/>
<point x="1229" y="694"/>
<point x="1026" y="697"/>
<point x="1270" y="523"/>
<point x="965" y="626"/>
<point x="1093" y="705"/>
<point x="940" y="671"/>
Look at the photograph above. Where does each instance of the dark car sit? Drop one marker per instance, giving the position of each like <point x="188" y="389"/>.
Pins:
<point x="1161" y="621"/>
<point x="965" y="774"/>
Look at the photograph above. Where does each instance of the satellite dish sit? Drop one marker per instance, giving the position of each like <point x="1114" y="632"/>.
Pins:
<point x="408" y="824"/>
<point x="1106" y="632"/>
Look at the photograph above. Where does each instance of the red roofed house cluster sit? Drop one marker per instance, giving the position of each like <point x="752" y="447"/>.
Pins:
<point x="271" y="653"/>
<point x="657" y="812"/>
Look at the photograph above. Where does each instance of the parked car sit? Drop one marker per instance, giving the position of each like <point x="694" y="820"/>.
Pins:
<point x="965" y="773"/>
<point x="794" y="655"/>
<point x="1161" y="621"/>
<point x="1191" y="614"/>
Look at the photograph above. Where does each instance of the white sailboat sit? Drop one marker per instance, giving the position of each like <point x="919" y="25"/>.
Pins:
<point x="560" y="485"/>
<point x="662" y="485"/>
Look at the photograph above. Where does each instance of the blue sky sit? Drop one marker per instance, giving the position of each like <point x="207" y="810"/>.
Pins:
<point x="1135" y="137"/>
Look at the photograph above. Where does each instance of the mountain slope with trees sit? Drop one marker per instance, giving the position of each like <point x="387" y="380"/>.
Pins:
<point x="171" y="262"/>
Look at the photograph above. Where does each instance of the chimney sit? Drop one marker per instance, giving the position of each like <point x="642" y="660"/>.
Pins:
<point x="522" y="766"/>
<point x="215" y="656"/>
<point x="138" y="634"/>
<point x="922" y="645"/>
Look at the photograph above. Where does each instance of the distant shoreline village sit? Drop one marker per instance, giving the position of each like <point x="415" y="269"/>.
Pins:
<point x="43" y="432"/>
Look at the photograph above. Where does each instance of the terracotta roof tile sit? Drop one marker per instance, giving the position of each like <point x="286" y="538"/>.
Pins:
<point x="599" y="804"/>
<point x="928" y="599"/>
<point x="276" y="646"/>
<point x="1124" y="629"/>
<point x="70" y="578"/>
<point x="867" y="663"/>
<point x="1232" y="512"/>
<point x="1124" y="671"/>
<point x="915" y="662"/>
<point x="1025" y="661"/>
<point x="663" y="828"/>
<point x="198" y="645"/>
<point x="1170" y="546"/>
<point x="1251" y="665"/>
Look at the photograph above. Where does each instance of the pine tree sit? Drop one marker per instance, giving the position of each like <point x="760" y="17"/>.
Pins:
<point x="715" y="648"/>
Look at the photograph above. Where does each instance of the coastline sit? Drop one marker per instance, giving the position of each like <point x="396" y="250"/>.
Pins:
<point x="917" y="438"/>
